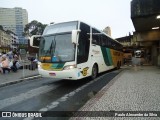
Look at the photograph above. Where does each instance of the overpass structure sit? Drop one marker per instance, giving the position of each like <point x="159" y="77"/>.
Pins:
<point x="145" y="15"/>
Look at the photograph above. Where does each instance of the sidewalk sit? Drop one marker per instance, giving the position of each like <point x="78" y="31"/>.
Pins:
<point x="134" y="89"/>
<point x="19" y="76"/>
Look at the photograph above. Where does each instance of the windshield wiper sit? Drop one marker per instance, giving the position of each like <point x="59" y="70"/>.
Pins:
<point x="54" y="46"/>
<point x="52" y="49"/>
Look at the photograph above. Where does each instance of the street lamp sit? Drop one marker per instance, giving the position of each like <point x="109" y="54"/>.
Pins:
<point x="158" y="17"/>
<point x="155" y="28"/>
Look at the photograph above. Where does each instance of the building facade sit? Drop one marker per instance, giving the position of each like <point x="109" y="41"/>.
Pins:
<point x="8" y="41"/>
<point x="14" y="19"/>
<point x="5" y="41"/>
<point x="107" y="30"/>
<point x="14" y="40"/>
<point x="145" y="15"/>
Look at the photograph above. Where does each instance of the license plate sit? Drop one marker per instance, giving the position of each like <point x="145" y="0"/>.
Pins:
<point x="52" y="74"/>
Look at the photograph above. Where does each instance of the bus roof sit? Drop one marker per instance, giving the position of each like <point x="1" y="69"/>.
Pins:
<point x="78" y="21"/>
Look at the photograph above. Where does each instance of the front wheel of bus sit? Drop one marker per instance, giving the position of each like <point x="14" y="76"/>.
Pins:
<point x="94" y="72"/>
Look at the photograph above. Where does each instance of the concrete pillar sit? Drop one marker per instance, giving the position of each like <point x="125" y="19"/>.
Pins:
<point x="159" y="47"/>
<point x="159" y="54"/>
<point x="154" y="55"/>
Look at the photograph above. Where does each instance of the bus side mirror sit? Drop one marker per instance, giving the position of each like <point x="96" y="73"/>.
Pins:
<point x="35" y="41"/>
<point x="75" y="36"/>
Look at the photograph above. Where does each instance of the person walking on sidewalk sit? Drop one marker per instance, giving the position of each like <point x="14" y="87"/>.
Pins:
<point x="5" y="64"/>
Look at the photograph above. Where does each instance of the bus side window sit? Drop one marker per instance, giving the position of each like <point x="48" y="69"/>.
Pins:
<point x="103" y="41"/>
<point x="94" y="41"/>
<point x="96" y="37"/>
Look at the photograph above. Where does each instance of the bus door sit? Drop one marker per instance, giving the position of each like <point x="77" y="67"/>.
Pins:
<point x="83" y="49"/>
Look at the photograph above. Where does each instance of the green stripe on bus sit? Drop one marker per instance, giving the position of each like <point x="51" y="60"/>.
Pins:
<point x="105" y="56"/>
<point x="109" y="56"/>
<point x="57" y="65"/>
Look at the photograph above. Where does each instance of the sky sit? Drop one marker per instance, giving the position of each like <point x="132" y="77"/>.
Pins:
<point x="97" y="13"/>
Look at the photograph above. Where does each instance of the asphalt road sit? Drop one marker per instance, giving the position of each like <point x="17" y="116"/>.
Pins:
<point x="51" y="95"/>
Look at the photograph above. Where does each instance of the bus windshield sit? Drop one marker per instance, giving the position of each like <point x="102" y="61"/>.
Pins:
<point x="60" y="28"/>
<point x="57" y="47"/>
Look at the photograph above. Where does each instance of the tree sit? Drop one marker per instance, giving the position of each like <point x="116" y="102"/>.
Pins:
<point x="34" y="28"/>
<point x="1" y="27"/>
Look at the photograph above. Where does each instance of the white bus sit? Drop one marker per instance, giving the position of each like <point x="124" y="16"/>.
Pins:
<point x="139" y="53"/>
<point x="75" y="50"/>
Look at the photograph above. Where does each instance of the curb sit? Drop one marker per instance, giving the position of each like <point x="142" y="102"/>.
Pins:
<point x="90" y="103"/>
<point x="20" y="80"/>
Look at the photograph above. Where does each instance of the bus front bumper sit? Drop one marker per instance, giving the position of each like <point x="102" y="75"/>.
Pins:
<point x="72" y="74"/>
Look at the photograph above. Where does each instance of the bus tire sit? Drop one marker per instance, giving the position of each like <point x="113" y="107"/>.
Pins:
<point x="118" y="66"/>
<point x="94" y="72"/>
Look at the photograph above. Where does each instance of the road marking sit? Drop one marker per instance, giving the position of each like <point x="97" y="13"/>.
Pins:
<point x="64" y="98"/>
<point x="24" y="96"/>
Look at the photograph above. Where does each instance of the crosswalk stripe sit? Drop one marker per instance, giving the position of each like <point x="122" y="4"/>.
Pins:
<point x="24" y="96"/>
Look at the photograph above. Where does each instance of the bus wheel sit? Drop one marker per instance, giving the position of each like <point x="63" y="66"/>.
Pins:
<point x="118" y="66"/>
<point x="94" y="72"/>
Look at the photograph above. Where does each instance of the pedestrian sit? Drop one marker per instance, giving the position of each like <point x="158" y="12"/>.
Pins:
<point x="1" y="63"/>
<point x="10" y="55"/>
<point x="15" y="64"/>
<point x="5" y="64"/>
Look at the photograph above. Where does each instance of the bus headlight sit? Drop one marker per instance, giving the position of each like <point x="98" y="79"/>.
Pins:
<point x="68" y="67"/>
<point x="39" y="65"/>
